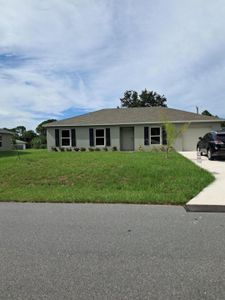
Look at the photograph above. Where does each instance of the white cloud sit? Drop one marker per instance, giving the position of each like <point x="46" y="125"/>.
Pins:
<point x="56" y="55"/>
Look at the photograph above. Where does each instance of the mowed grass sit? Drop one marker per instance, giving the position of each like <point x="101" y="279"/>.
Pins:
<point x="110" y="177"/>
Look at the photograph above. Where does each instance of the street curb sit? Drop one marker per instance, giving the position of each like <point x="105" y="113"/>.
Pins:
<point x="204" y="208"/>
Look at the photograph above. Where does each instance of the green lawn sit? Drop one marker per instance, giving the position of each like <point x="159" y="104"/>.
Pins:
<point x="118" y="177"/>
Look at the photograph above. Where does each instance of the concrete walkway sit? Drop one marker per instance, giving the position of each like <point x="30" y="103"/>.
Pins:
<point x="212" y="198"/>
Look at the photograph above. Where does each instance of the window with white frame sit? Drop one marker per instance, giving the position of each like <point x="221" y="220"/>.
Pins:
<point x="65" y="137"/>
<point x="155" y="135"/>
<point x="100" y="137"/>
<point x="0" y="141"/>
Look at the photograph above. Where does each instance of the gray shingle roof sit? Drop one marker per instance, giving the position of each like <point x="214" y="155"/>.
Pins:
<point x="3" y="131"/>
<point x="139" y="115"/>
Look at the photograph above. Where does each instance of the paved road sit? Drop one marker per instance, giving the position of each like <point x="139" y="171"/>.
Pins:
<point x="66" y="251"/>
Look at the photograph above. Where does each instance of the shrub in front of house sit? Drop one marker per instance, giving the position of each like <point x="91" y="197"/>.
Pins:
<point x="155" y="149"/>
<point x="43" y="146"/>
<point x="163" y="148"/>
<point x="140" y="148"/>
<point x="97" y="149"/>
<point x="105" y="149"/>
<point x="76" y="149"/>
<point x="114" y="148"/>
<point x="91" y="149"/>
<point x="82" y="149"/>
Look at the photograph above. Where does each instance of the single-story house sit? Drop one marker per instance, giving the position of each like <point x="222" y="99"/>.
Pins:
<point x="20" y="145"/>
<point x="129" y="129"/>
<point x="6" y="142"/>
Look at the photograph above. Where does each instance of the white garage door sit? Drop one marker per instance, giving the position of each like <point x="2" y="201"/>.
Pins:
<point x="190" y="137"/>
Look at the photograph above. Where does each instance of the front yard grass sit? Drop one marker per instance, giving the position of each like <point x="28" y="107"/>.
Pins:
<point x="110" y="177"/>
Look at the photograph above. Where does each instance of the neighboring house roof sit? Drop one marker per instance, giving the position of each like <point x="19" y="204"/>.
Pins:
<point x="3" y="131"/>
<point x="137" y="115"/>
<point x="20" y="142"/>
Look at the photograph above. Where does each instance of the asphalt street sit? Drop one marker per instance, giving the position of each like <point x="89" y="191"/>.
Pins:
<point x="86" y="251"/>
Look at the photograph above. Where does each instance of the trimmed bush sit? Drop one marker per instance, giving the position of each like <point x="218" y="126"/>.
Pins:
<point x="163" y="148"/>
<point x="114" y="148"/>
<point x="155" y="149"/>
<point x="82" y="149"/>
<point x="140" y="148"/>
<point x="43" y="146"/>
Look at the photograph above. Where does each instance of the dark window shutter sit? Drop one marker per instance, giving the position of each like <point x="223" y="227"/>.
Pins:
<point x="108" y="137"/>
<point x="146" y="136"/>
<point x="73" y="137"/>
<point x="164" y="137"/>
<point x="91" y="137"/>
<point x="57" y="137"/>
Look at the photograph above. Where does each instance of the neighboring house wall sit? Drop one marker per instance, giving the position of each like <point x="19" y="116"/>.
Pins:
<point x="20" y="146"/>
<point x="187" y="141"/>
<point x="5" y="142"/>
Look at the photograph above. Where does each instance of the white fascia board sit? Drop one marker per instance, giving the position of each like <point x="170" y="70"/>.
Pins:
<point x="136" y="123"/>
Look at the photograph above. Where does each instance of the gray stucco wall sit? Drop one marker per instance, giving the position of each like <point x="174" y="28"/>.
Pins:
<point x="139" y="136"/>
<point x="82" y="136"/>
<point x="6" y="142"/>
<point x="185" y="142"/>
<point x="50" y="138"/>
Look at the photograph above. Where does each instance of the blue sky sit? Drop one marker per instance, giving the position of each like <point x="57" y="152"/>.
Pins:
<point x="63" y="58"/>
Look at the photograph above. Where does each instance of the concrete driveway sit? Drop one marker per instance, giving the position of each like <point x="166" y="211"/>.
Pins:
<point x="212" y="198"/>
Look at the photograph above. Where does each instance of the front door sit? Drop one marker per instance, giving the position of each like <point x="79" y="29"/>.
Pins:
<point x="127" y="138"/>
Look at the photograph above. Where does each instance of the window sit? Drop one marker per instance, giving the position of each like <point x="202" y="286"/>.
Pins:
<point x="208" y="137"/>
<point x="65" y="137"/>
<point x="0" y="141"/>
<point x="155" y="135"/>
<point x="221" y="137"/>
<point x="100" y="137"/>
